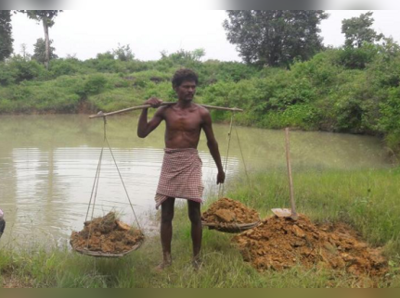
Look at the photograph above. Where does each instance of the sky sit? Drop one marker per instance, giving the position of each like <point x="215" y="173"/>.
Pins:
<point x="85" y="33"/>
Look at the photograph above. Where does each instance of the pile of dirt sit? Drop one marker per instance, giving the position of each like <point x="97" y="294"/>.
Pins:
<point x="280" y="243"/>
<point x="106" y="235"/>
<point x="226" y="210"/>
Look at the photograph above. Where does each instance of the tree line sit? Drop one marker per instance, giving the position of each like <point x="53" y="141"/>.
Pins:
<point x="354" y="88"/>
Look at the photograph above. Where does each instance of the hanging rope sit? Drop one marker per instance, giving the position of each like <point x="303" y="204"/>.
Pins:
<point x="93" y="196"/>
<point x="241" y="153"/>
<point x="123" y="184"/>
<point x="221" y="186"/>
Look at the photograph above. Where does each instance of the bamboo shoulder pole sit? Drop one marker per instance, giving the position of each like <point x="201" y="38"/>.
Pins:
<point x="294" y="214"/>
<point x="101" y="114"/>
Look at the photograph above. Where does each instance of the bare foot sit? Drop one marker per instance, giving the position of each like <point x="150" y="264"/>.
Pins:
<point x="163" y="265"/>
<point x="197" y="263"/>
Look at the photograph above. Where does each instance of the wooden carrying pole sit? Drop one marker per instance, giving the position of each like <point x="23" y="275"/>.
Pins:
<point x="289" y="168"/>
<point x="101" y="114"/>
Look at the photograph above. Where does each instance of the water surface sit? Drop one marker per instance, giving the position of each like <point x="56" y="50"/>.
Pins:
<point x="48" y="164"/>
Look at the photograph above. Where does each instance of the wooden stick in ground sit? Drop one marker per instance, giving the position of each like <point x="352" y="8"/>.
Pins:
<point x="101" y="114"/>
<point x="294" y="215"/>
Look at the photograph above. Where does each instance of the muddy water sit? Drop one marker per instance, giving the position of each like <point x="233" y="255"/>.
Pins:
<point x="48" y="164"/>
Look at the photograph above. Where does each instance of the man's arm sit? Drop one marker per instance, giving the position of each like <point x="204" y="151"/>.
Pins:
<point x="144" y="127"/>
<point x="213" y="145"/>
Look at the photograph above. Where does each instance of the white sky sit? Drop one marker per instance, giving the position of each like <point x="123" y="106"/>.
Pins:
<point x="85" y="33"/>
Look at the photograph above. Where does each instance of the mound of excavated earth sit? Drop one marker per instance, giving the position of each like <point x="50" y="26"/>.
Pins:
<point x="226" y="210"/>
<point x="280" y="243"/>
<point x="106" y="235"/>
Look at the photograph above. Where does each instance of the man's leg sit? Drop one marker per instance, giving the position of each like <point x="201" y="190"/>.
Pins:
<point x="197" y="232"/>
<point x="167" y="214"/>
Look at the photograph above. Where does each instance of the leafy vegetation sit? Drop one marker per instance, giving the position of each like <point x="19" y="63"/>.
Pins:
<point x="275" y="37"/>
<point x="46" y="17"/>
<point x="352" y="90"/>
<point x="358" y="30"/>
<point x="40" y="51"/>
<point x="6" y="40"/>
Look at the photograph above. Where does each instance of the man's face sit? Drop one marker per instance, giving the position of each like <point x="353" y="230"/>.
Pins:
<point x="186" y="90"/>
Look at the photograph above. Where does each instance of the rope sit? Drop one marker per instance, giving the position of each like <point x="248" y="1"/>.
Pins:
<point x="93" y="195"/>
<point x="241" y="153"/>
<point x="123" y="184"/>
<point x="221" y="186"/>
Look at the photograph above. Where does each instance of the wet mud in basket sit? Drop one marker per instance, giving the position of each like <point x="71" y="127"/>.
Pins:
<point x="229" y="211"/>
<point x="106" y="235"/>
<point x="279" y="243"/>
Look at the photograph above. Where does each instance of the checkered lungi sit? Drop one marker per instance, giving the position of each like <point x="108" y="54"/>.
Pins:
<point x="180" y="176"/>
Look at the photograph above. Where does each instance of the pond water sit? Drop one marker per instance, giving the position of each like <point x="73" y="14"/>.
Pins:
<point x="48" y="164"/>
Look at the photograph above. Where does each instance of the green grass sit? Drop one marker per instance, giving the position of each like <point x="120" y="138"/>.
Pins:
<point x="367" y="200"/>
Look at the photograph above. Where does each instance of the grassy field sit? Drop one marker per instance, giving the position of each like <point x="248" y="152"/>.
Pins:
<point x="367" y="200"/>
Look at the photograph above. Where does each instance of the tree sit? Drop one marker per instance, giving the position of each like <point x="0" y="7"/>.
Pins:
<point x="6" y="40"/>
<point x="124" y="53"/>
<point x="40" y="51"/>
<point x="24" y="52"/>
<point x="275" y="37"/>
<point x="358" y="30"/>
<point x="47" y="19"/>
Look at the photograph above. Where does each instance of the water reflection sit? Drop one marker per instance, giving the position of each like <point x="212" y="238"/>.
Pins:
<point x="48" y="164"/>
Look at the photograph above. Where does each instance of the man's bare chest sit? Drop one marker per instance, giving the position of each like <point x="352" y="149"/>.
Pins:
<point x="183" y="120"/>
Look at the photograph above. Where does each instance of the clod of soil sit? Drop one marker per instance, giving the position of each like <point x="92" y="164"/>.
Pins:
<point x="226" y="210"/>
<point x="107" y="235"/>
<point x="280" y="243"/>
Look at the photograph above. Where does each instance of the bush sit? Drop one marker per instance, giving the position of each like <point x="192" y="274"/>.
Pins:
<point x="26" y="70"/>
<point x="6" y="75"/>
<point x="357" y="58"/>
<point x="95" y="84"/>
<point x="69" y="66"/>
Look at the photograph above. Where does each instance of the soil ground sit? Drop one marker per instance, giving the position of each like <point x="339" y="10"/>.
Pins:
<point x="279" y="243"/>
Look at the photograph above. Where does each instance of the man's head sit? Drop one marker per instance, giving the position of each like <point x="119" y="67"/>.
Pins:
<point x="184" y="74"/>
<point x="184" y="83"/>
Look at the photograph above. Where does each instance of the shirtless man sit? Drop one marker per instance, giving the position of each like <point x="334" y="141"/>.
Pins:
<point x="181" y="171"/>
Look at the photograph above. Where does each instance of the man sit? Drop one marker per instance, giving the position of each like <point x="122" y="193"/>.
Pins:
<point x="181" y="170"/>
<point x="2" y="223"/>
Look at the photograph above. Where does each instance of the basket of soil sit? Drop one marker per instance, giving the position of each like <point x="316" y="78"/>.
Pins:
<point x="279" y="243"/>
<point x="106" y="237"/>
<point x="230" y="216"/>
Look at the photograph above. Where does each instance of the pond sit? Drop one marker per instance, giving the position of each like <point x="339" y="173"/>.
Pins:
<point x="48" y="164"/>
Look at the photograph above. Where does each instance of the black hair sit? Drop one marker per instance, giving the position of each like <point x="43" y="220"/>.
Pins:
<point x="184" y="74"/>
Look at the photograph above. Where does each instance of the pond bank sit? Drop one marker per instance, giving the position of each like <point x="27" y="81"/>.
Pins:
<point x="366" y="200"/>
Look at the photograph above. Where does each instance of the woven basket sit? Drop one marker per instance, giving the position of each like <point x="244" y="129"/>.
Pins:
<point x="230" y="227"/>
<point x="99" y="254"/>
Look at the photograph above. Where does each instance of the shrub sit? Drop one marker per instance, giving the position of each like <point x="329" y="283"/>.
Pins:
<point x="25" y="70"/>
<point x="95" y="84"/>
<point x="357" y="58"/>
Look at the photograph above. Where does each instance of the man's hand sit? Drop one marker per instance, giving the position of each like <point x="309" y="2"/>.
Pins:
<point x="221" y="177"/>
<point x="154" y="102"/>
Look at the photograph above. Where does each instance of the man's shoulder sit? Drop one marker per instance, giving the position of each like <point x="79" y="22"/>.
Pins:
<point x="163" y="109"/>
<point x="202" y="110"/>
